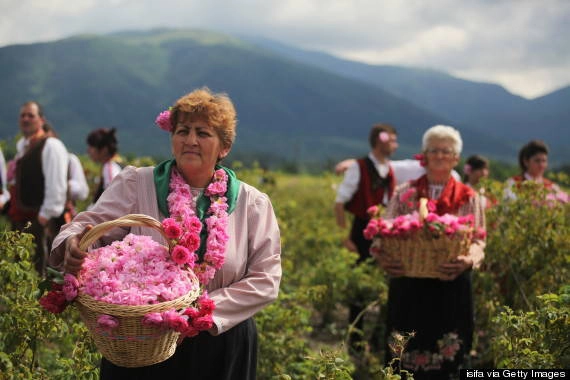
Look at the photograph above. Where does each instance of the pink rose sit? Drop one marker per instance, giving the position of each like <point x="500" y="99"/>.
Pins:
<point x="203" y="323"/>
<point x="152" y="320"/>
<point x="70" y="287"/>
<point x="372" y="210"/>
<point x="216" y="188"/>
<point x="107" y="322"/>
<point x="54" y="302"/>
<point x="180" y="255"/>
<point x="171" y="228"/>
<point x="175" y="321"/>
<point x="163" y="121"/>
<point x="193" y="225"/>
<point x="384" y="137"/>
<point x="191" y="241"/>
<point x="207" y="305"/>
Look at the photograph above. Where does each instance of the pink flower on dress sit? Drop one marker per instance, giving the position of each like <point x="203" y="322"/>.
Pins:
<point x="70" y="287"/>
<point x="163" y="121"/>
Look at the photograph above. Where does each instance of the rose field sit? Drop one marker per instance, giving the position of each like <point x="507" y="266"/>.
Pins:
<point x="522" y="292"/>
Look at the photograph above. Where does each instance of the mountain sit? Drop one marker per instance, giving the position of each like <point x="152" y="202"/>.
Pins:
<point x="486" y="107"/>
<point x="288" y="110"/>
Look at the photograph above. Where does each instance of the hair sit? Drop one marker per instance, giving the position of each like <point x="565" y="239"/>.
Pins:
<point x="443" y="132"/>
<point x="530" y="149"/>
<point x="216" y="109"/>
<point x="48" y="129"/>
<point x="476" y="162"/>
<point x="103" y="138"/>
<point x="40" y="108"/>
<point x="376" y="130"/>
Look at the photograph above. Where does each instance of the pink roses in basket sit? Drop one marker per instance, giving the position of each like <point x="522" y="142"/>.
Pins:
<point x="406" y="225"/>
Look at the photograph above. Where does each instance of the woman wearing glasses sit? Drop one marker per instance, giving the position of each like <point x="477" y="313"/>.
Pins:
<point x="439" y="311"/>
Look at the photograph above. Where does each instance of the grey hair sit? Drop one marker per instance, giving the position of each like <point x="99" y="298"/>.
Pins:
<point x="443" y="132"/>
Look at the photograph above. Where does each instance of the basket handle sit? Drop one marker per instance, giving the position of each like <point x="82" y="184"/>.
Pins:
<point x="129" y="220"/>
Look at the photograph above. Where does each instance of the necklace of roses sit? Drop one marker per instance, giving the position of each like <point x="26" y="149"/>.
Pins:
<point x="185" y="227"/>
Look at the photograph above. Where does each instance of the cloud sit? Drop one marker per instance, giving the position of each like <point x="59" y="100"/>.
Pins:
<point x="494" y="40"/>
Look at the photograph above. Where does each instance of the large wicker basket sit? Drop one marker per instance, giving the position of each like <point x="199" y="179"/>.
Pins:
<point x="131" y="344"/>
<point x="422" y="253"/>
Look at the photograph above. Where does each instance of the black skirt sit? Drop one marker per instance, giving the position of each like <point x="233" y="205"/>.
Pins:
<point x="231" y="355"/>
<point x="441" y="315"/>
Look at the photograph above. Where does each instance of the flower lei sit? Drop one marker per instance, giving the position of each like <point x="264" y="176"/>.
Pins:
<point x="185" y="227"/>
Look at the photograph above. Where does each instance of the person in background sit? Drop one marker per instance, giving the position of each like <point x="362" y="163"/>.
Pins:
<point x="367" y="181"/>
<point x="438" y="310"/>
<point x="4" y="194"/>
<point x="40" y="183"/>
<point x="202" y="131"/>
<point x="77" y="187"/>
<point x="533" y="162"/>
<point x="102" y="147"/>
<point x="475" y="168"/>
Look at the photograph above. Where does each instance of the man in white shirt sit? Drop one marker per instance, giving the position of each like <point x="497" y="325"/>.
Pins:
<point x="40" y="189"/>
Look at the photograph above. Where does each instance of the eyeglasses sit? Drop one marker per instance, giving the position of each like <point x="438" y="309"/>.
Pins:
<point x="444" y="151"/>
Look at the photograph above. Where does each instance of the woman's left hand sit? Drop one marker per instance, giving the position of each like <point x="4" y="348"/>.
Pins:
<point x="452" y="269"/>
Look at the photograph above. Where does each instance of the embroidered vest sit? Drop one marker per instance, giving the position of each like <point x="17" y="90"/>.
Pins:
<point x="371" y="188"/>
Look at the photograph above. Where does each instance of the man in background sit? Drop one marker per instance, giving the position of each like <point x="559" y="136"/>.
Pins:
<point x="40" y="183"/>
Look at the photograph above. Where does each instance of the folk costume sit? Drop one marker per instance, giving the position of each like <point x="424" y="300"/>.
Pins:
<point x="248" y="280"/>
<point x="40" y="188"/>
<point x="440" y="312"/>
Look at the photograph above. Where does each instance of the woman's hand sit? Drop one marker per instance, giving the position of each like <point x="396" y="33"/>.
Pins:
<point x="74" y="257"/>
<point x="452" y="269"/>
<point x="393" y="267"/>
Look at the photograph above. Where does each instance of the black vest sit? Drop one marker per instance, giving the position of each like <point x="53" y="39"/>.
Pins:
<point x="30" y="181"/>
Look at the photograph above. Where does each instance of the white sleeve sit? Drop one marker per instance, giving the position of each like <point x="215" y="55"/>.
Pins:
<point x="349" y="184"/>
<point x="5" y="196"/>
<point x="78" y="187"/>
<point x="55" y="161"/>
<point x="407" y="170"/>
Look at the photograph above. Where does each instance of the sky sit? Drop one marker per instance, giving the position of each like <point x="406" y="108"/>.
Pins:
<point x="522" y="45"/>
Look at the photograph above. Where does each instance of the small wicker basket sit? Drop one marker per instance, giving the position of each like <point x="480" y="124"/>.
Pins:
<point x="131" y="344"/>
<point x="422" y="253"/>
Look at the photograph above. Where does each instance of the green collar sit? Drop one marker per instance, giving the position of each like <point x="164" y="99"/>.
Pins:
<point x="162" y="179"/>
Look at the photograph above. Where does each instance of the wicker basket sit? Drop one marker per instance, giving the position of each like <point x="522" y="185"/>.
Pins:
<point x="422" y="253"/>
<point x="131" y="344"/>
